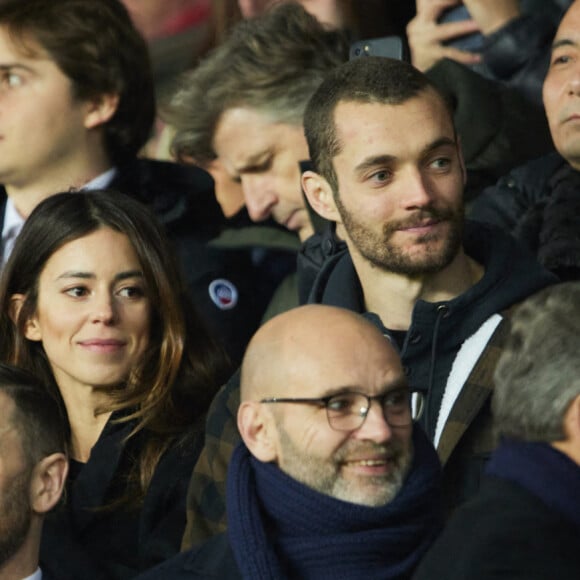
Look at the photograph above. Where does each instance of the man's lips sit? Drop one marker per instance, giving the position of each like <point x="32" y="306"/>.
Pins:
<point x="420" y="225"/>
<point x="571" y="117"/>
<point x="371" y="467"/>
<point x="368" y="462"/>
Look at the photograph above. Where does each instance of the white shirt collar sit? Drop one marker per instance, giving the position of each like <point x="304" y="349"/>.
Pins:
<point x="101" y="181"/>
<point x="36" y="576"/>
<point x="13" y="223"/>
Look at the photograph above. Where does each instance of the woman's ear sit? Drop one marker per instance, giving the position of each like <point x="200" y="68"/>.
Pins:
<point x="31" y="326"/>
<point x="257" y="431"/>
<point x="101" y="109"/>
<point x="320" y="195"/>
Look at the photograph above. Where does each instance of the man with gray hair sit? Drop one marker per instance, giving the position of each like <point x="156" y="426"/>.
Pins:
<point x="525" y="521"/>
<point x="244" y="105"/>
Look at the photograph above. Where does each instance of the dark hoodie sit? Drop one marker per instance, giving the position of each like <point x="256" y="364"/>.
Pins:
<point x="438" y="330"/>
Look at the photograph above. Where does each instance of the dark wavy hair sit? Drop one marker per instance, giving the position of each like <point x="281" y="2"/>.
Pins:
<point x="179" y="373"/>
<point x="96" y="45"/>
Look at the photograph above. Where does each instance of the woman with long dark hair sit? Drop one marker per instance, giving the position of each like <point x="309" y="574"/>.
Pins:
<point x="92" y="302"/>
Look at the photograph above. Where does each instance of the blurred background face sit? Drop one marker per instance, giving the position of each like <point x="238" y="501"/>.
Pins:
<point x="326" y="11"/>
<point x="562" y="88"/>
<point x="154" y="17"/>
<point x="252" y="8"/>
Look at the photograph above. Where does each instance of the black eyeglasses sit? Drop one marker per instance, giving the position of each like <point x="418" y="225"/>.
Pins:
<point x="347" y="411"/>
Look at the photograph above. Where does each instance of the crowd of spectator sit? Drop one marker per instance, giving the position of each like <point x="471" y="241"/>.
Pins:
<point x="272" y="307"/>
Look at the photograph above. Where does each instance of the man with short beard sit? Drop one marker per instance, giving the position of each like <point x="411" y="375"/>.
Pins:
<point x="33" y="469"/>
<point x="388" y="167"/>
<point x="332" y="478"/>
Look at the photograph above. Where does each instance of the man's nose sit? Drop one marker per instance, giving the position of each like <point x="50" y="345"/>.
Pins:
<point x="417" y="192"/>
<point x="574" y="81"/>
<point x="259" y="197"/>
<point x="375" y="427"/>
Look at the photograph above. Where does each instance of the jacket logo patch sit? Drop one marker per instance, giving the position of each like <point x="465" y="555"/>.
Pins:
<point x="223" y="294"/>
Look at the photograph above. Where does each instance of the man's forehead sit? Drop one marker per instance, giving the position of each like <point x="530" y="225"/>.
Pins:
<point x="347" y="112"/>
<point x="23" y="45"/>
<point x="368" y="372"/>
<point x="245" y="116"/>
<point x="420" y="124"/>
<point x="374" y="388"/>
<point x="568" y="33"/>
<point x="242" y="135"/>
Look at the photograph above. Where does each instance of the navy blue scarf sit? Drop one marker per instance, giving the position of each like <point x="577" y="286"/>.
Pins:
<point x="280" y="528"/>
<point x="544" y="471"/>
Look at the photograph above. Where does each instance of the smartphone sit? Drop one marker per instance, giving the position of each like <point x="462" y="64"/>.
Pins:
<point x="389" y="46"/>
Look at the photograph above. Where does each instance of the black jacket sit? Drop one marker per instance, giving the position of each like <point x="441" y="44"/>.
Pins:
<point x="214" y="559"/>
<point x="82" y="540"/>
<point x="504" y="203"/>
<point x="505" y="532"/>
<point x="539" y="204"/>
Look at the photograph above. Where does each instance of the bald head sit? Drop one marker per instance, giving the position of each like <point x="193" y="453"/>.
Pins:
<point x="318" y="388"/>
<point x="302" y="344"/>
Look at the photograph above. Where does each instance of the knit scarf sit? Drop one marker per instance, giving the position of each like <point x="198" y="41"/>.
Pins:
<point x="542" y="470"/>
<point x="551" y="227"/>
<point x="279" y="528"/>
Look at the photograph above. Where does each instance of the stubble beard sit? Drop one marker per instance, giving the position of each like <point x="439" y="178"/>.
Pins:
<point x="380" y="250"/>
<point x="326" y="477"/>
<point x="15" y="517"/>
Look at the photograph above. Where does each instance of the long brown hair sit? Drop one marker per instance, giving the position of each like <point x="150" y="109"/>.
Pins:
<point x="179" y="373"/>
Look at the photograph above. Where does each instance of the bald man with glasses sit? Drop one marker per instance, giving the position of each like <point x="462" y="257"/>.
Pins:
<point x="332" y="478"/>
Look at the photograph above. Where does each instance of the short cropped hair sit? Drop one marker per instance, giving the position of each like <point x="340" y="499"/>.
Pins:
<point x="37" y="416"/>
<point x="538" y="373"/>
<point x="271" y="64"/>
<point x="96" y="45"/>
<point x="364" y="80"/>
